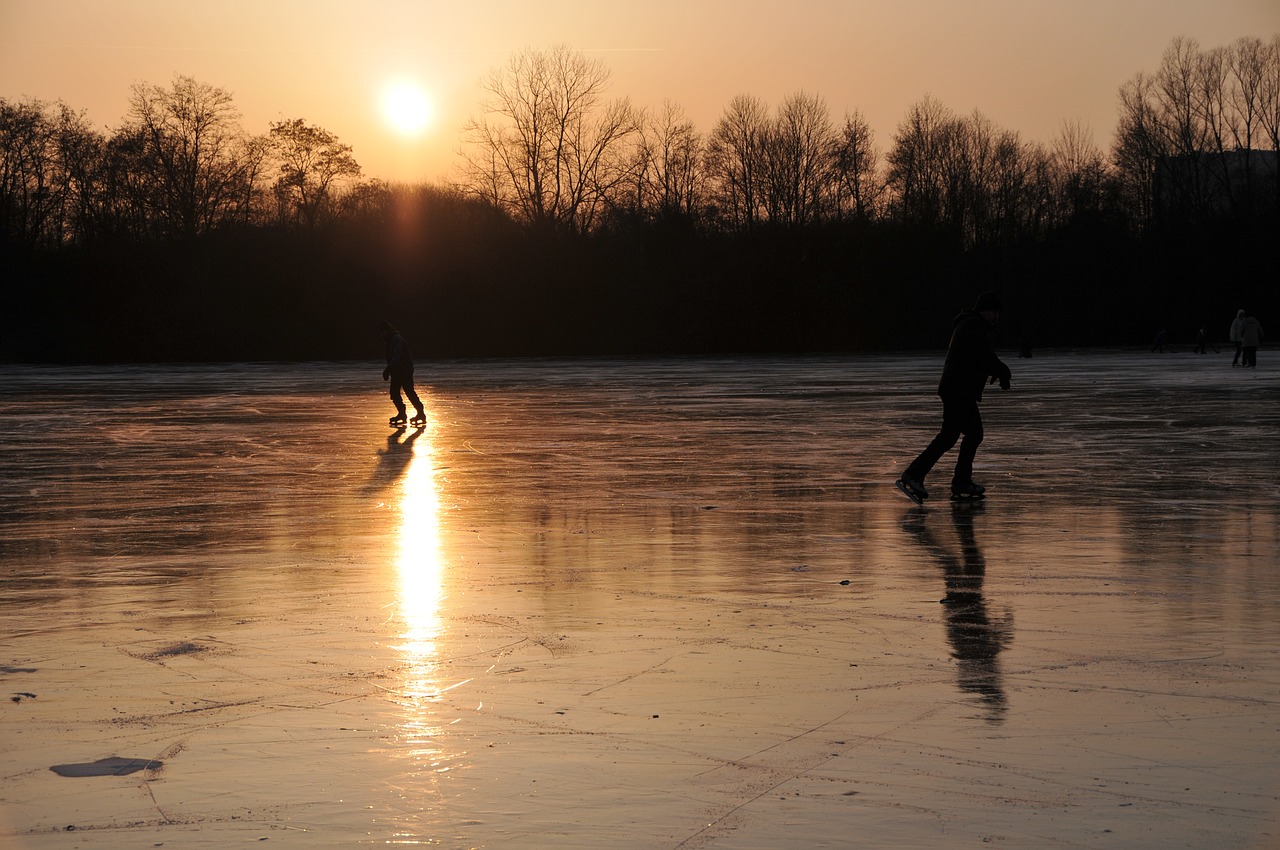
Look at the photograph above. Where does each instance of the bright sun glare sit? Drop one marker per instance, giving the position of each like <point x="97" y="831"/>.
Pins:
<point x="406" y="107"/>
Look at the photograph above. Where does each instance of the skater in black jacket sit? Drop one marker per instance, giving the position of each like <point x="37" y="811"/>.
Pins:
<point x="970" y="363"/>
<point x="399" y="372"/>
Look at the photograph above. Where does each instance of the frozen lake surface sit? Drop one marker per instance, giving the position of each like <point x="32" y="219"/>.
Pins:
<point x="639" y="604"/>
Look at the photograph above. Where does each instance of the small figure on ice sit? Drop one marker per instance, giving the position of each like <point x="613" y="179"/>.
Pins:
<point x="399" y="372"/>
<point x="1237" y="336"/>
<point x="1251" y="337"/>
<point x="970" y="362"/>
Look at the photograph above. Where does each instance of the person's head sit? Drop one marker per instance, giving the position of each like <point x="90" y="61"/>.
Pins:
<point x="1240" y="314"/>
<point x="988" y="306"/>
<point x="386" y="329"/>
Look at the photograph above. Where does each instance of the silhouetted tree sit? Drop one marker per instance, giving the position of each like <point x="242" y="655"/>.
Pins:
<point x="198" y="166"/>
<point x="312" y="164"/>
<point x="1269" y="94"/>
<point x="111" y="239"/>
<point x="966" y="177"/>
<point x="44" y="150"/>
<point x="800" y="148"/>
<point x="917" y="162"/>
<point x="1078" y="175"/>
<point x="549" y="149"/>
<point x="669" y="170"/>
<point x="736" y="162"/>
<point x="858" y="184"/>
<point x="1188" y="138"/>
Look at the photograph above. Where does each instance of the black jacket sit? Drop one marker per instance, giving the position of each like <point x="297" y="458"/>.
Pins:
<point x="970" y="360"/>
<point x="399" y="360"/>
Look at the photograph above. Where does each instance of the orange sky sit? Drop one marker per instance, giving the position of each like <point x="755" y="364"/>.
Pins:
<point x="1029" y="65"/>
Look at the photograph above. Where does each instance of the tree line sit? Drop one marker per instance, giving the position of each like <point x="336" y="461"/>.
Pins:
<point x="582" y="225"/>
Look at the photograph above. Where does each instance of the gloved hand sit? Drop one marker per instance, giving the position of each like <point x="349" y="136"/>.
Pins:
<point x="1004" y="382"/>
<point x="386" y="374"/>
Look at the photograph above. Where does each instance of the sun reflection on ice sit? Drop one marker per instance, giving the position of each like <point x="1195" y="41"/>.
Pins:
<point x="420" y="571"/>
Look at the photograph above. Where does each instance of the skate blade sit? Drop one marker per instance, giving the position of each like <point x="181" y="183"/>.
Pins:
<point x="912" y="496"/>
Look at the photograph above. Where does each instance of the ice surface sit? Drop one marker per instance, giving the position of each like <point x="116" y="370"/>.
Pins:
<point x="640" y="604"/>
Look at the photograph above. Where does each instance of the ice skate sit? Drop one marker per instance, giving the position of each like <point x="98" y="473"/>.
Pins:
<point x="912" y="488"/>
<point x="397" y="421"/>
<point x="968" y="492"/>
<point x="419" y="419"/>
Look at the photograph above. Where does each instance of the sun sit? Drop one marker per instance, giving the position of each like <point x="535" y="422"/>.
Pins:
<point x="406" y="107"/>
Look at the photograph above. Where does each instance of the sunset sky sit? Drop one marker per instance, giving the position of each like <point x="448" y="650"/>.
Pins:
<point x="1029" y="65"/>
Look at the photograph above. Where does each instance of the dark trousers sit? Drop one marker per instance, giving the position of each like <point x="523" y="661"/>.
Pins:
<point x="959" y="417"/>
<point x="1239" y="349"/>
<point x="1250" y="355"/>
<point x="405" y="383"/>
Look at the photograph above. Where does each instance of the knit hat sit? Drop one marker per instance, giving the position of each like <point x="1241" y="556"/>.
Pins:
<point x="988" y="301"/>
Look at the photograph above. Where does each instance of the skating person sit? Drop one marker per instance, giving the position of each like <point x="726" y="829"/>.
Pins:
<point x="1235" y="336"/>
<point x="1250" y="338"/>
<point x="970" y="362"/>
<point x="399" y="372"/>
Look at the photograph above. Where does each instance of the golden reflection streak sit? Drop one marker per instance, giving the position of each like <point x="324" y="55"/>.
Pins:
<point x="420" y="570"/>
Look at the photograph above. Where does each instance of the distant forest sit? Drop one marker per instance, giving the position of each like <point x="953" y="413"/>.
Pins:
<point x="583" y="226"/>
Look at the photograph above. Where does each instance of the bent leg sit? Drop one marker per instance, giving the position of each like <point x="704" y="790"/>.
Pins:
<point x="412" y="395"/>
<point x="940" y="445"/>
<point x="972" y="429"/>
<point x="395" y="395"/>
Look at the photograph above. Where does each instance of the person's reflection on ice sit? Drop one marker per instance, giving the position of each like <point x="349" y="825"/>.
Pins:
<point x="975" y="634"/>
<point x="394" y="460"/>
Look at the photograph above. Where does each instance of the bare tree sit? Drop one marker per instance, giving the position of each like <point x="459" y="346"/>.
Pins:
<point x="1158" y="121"/>
<point x="1245" y="98"/>
<point x="857" y="162"/>
<point x="1019" y="189"/>
<point x="1189" y="135"/>
<point x="1254" y="69"/>
<point x="669" y="165"/>
<point x="48" y="157"/>
<point x="736" y="161"/>
<point x="917" y="162"/>
<point x="549" y="149"/>
<point x="1269" y="94"/>
<point x="800" y="155"/>
<point x="28" y="149"/>
<point x="1077" y="173"/>
<point x="980" y="183"/>
<point x="199" y="165"/>
<point x="1139" y="144"/>
<point x="312" y="164"/>
<point x="1269" y="107"/>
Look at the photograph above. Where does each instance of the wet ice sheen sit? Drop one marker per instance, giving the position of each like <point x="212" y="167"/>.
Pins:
<point x="640" y="604"/>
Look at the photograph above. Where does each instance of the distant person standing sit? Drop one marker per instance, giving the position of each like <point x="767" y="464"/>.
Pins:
<point x="1200" y="340"/>
<point x="1158" y="345"/>
<point x="970" y="362"/>
<point x="1250" y="338"/>
<point x="399" y="372"/>
<point x="1236" y="328"/>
